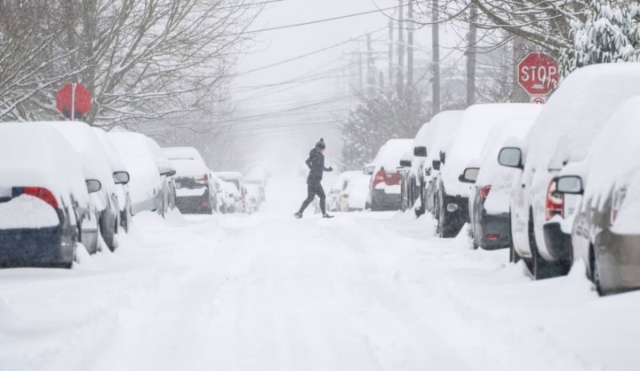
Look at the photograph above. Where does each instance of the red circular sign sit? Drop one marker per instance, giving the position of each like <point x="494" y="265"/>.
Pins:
<point x="65" y="102"/>
<point x="538" y="73"/>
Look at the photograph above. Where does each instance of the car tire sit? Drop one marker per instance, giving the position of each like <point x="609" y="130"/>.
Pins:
<point x="594" y="275"/>
<point x="540" y="268"/>
<point x="513" y="255"/>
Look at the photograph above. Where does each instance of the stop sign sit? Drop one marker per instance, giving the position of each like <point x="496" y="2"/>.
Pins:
<point x="538" y="73"/>
<point x="73" y="99"/>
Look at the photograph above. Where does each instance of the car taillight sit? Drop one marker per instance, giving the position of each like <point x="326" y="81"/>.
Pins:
<point x="379" y="177"/>
<point x="484" y="192"/>
<point x="204" y="179"/>
<point x="616" y="203"/>
<point x="554" y="202"/>
<point x="43" y="194"/>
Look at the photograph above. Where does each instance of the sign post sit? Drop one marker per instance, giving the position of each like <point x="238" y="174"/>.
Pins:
<point x="538" y="76"/>
<point x="73" y="101"/>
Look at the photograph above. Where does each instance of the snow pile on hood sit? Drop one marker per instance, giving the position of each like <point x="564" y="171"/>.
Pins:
<point x="442" y="127"/>
<point x="145" y="179"/>
<point x="27" y="211"/>
<point x="576" y="114"/>
<point x="39" y="156"/>
<point x="389" y="155"/>
<point x="187" y="161"/>
<point x="614" y="164"/>
<point x="469" y="140"/>
<point x="501" y="178"/>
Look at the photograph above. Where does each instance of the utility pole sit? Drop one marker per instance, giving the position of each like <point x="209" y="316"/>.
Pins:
<point x="435" y="57"/>
<point x="360" y="84"/>
<point x="371" y="73"/>
<point x="400" y="81"/>
<point x="471" y="55"/>
<point x="518" y="95"/>
<point x="410" y="51"/>
<point x="390" y="52"/>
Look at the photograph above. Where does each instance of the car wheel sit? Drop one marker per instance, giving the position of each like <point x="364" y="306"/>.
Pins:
<point x="513" y="255"/>
<point x="542" y="269"/>
<point x="595" y="272"/>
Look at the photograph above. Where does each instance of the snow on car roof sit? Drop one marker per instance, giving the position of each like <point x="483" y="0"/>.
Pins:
<point x="577" y="112"/>
<point x="468" y="141"/>
<point x="187" y="161"/>
<point x="141" y="162"/>
<point x="40" y="156"/>
<point x="229" y="175"/>
<point x="92" y="153"/>
<point x="614" y="159"/>
<point x="344" y="178"/>
<point x="441" y="127"/>
<point x="422" y="136"/>
<point x="390" y="153"/>
<point x="117" y="164"/>
<point x="491" y="172"/>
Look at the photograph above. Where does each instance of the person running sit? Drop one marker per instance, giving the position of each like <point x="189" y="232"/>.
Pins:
<point x="314" y="185"/>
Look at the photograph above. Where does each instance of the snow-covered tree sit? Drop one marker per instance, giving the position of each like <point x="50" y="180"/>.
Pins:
<point x="610" y="33"/>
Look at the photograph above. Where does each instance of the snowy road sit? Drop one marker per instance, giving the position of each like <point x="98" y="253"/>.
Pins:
<point x="268" y="292"/>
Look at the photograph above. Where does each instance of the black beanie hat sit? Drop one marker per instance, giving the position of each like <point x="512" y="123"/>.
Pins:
<point x="321" y="144"/>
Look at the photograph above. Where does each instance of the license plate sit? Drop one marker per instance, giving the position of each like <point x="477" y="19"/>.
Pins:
<point x="6" y="192"/>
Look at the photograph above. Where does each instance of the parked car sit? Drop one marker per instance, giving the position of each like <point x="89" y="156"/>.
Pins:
<point x="354" y="197"/>
<point x="334" y="198"/>
<point x="489" y="200"/>
<point x="605" y="233"/>
<point x="45" y="207"/>
<point x="384" y="188"/>
<point x="406" y="185"/>
<point x="413" y="179"/>
<point x="194" y="189"/>
<point x="95" y="158"/>
<point x="167" y="177"/>
<point x="220" y="198"/>
<point x="259" y="184"/>
<point x="146" y="186"/>
<point x="233" y="197"/>
<point x="440" y="129"/>
<point x="121" y="178"/>
<point x="562" y="134"/>
<point x="254" y="197"/>
<point x="460" y="162"/>
<point x="237" y="179"/>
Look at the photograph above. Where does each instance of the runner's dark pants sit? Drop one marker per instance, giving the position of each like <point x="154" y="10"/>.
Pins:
<point x="312" y="192"/>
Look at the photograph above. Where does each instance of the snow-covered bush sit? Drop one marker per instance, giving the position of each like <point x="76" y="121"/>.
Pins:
<point x="610" y="33"/>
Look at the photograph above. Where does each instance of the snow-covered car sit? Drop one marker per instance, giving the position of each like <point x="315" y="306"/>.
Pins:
<point x="233" y="197"/>
<point x="45" y="207"/>
<point x="146" y="184"/>
<point x="562" y="134"/>
<point x="384" y="188"/>
<point x="167" y="172"/>
<point x="254" y="196"/>
<point x="489" y="200"/>
<point x="605" y="233"/>
<point x="334" y="198"/>
<point x="259" y="184"/>
<point x="194" y="190"/>
<point x="237" y="179"/>
<point x="354" y="197"/>
<point x="120" y="178"/>
<point x="85" y="141"/>
<point x="220" y="199"/>
<point x="460" y="161"/>
<point x="406" y="197"/>
<point x="440" y="129"/>
<point x="413" y="180"/>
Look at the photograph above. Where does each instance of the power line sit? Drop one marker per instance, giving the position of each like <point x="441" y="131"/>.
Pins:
<point x="321" y="20"/>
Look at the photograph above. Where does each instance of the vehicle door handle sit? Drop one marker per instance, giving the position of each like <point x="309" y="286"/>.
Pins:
<point x="524" y="185"/>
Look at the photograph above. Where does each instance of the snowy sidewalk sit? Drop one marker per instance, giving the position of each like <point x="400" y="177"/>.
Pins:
<point x="266" y="292"/>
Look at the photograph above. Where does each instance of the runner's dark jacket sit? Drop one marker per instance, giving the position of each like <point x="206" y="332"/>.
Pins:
<point x="316" y="165"/>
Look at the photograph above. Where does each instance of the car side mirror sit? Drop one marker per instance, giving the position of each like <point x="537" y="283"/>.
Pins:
<point x="121" y="177"/>
<point x="436" y="165"/>
<point x="420" y="151"/>
<point x="570" y="184"/>
<point x="511" y="157"/>
<point x="93" y="185"/>
<point x="369" y="169"/>
<point x="470" y="175"/>
<point x="405" y="163"/>
<point x="443" y="157"/>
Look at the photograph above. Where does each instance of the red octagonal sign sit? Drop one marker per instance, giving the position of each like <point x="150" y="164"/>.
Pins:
<point x="73" y="97"/>
<point x="538" y="73"/>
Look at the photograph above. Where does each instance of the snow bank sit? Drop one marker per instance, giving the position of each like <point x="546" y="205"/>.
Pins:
<point x="37" y="155"/>
<point x="187" y="161"/>
<point x="145" y="179"/>
<point x="389" y="155"/>
<point x="27" y="212"/>
<point x="469" y="140"/>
